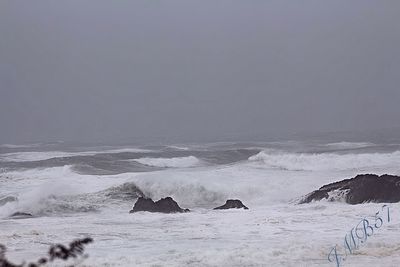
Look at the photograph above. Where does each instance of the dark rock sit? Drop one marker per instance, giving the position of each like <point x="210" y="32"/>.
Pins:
<point x="165" y="205"/>
<point x="360" y="189"/>
<point x="21" y="215"/>
<point x="144" y="204"/>
<point x="232" y="204"/>
<point x="5" y="200"/>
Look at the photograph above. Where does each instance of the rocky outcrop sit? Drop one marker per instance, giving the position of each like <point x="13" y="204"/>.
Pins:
<point x="232" y="204"/>
<point x="164" y="205"/>
<point x="360" y="189"/>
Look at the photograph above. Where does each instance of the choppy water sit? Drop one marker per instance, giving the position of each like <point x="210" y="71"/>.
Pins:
<point x="74" y="191"/>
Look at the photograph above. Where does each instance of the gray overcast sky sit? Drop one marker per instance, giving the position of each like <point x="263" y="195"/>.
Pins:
<point x="196" y="70"/>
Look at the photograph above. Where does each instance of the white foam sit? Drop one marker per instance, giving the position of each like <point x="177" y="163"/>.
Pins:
<point x="273" y="232"/>
<point x="277" y="235"/>
<point x="178" y="162"/>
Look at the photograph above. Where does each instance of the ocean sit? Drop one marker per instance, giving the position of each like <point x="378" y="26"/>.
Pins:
<point x="75" y="191"/>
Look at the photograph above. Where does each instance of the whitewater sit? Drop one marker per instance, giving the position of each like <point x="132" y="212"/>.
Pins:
<point x="77" y="191"/>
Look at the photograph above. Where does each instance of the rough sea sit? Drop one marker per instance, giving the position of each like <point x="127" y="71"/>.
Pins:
<point x="75" y="191"/>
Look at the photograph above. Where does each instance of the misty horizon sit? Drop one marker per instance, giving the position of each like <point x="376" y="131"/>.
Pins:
<point x="196" y="72"/>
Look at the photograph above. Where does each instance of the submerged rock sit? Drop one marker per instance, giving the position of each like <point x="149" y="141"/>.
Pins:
<point x="232" y="204"/>
<point x="360" y="189"/>
<point x="21" y="215"/>
<point x="165" y="205"/>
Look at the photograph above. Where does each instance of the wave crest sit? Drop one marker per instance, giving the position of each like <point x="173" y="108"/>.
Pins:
<point x="326" y="161"/>
<point x="179" y="162"/>
<point x="349" y="145"/>
<point x="126" y="191"/>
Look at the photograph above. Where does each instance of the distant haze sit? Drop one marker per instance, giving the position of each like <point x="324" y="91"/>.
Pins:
<point x="110" y="71"/>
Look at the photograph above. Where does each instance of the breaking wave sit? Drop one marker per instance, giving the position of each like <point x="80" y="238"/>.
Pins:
<point x="326" y="161"/>
<point x="7" y="199"/>
<point x="189" y="194"/>
<point x="48" y="205"/>
<point x="126" y="191"/>
<point x="46" y="201"/>
<point x="179" y="162"/>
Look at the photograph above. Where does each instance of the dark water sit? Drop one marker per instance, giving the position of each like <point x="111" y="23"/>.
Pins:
<point x="102" y="162"/>
<point x="107" y="160"/>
